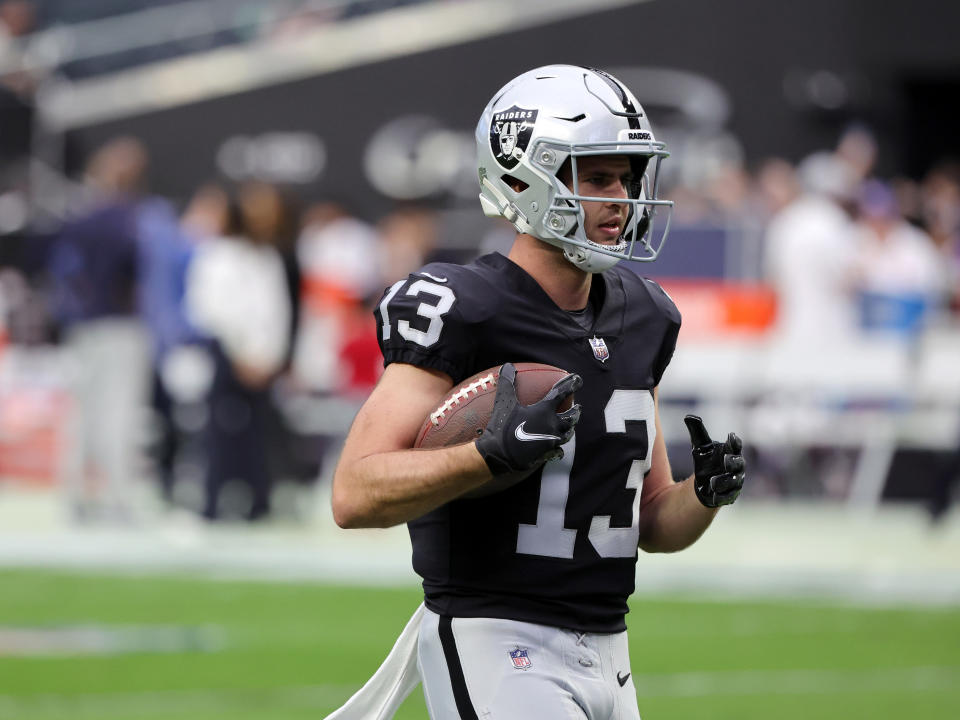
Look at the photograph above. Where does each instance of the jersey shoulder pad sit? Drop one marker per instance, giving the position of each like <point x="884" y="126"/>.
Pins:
<point x="672" y="314"/>
<point x="426" y="318"/>
<point x="663" y="306"/>
<point x="661" y="300"/>
<point x="478" y="289"/>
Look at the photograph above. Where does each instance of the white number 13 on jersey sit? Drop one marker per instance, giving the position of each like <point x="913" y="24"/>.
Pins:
<point x="549" y="537"/>
<point x="433" y="313"/>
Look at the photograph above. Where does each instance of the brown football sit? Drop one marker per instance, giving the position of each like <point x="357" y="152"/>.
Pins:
<point x="465" y="411"/>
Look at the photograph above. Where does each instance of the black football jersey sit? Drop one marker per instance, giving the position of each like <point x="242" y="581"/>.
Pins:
<point x="560" y="547"/>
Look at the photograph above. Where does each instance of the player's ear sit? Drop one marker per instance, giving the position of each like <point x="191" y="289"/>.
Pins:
<point x="516" y="184"/>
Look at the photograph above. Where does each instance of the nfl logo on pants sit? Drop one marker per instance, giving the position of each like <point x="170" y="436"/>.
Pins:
<point x="521" y="661"/>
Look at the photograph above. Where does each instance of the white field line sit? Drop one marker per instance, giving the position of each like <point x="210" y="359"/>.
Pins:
<point x="171" y="703"/>
<point x="800" y="682"/>
<point x="747" y="624"/>
<point x="690" y="684"/>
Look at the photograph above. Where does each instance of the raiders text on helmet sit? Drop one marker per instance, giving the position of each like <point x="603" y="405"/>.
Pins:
<point x="546" y="116"/>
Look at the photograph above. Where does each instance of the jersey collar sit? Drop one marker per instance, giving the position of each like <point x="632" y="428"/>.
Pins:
<point x="608" y="319"/>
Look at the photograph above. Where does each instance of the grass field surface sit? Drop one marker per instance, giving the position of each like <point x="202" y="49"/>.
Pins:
<point x="155" y="648"/>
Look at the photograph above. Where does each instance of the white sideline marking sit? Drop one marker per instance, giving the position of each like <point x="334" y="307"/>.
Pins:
<point x="799" y="682"/>
<point x="748" y="624"/>
<point x="170" y="703"/>
<point x="689" y="684"/>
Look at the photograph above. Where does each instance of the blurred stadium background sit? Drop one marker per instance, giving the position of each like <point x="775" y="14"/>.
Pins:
<point x="201" y="200"/>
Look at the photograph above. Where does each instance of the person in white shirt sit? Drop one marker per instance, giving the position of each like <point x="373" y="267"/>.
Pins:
<point x="810" y="257"/>
<point x="236" y="293"/>
<point x="899" y="273"/>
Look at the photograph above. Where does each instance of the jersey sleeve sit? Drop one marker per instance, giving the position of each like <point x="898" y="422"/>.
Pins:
<point x="672" y="320"/>
<point x="420" y="322"/>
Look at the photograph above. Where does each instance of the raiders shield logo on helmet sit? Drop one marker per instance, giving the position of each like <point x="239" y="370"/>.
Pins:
<point x="510" y="132"/>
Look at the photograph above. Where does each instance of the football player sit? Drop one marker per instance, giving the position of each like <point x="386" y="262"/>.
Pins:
<point x="526" y="589"/>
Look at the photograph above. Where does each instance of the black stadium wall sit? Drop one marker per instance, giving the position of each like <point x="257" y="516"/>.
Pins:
<point x="794" y="75"/>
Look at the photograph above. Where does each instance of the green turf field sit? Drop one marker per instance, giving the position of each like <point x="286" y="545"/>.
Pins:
<point x="185" y="649"/>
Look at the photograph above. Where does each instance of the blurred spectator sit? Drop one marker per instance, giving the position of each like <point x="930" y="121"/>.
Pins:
<point x="939" y="214"/>
<point x="270" y="218"/>
<point x="237" y="293"/>
<point x="729" y="191"/>
<point x="690" y="206"/>
<point x="17" y="87"/>
<point x="359" y="359"/>
<point x="26" y="317"/>
<point x="909" y="199"/>
<point x="17" y="20"/>
<point x="810" y="257"/>
<point x="94" y="269"/>
<point x="273" y="216"/>
<point x="166" y="248"/>
<point x="208" y="213"/>
<point x="777" y="185"/>
<point x="409" y="236"/>
<point x="899" y="274"/>
<point x="499" y="237"/>
<point x="340" y="254"/>
<point x="341" y="257"/>
<point x="3" y="316"/>
<point x="857" y="149"/>
<point x="946" y="479"/>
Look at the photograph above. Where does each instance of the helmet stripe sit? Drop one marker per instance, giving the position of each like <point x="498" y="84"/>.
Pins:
<point x="631" y="111"/>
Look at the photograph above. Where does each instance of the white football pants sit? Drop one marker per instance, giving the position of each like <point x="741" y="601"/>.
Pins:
<point x="489" y="669"/>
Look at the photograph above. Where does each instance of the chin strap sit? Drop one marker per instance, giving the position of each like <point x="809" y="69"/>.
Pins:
<point x="588" y="260"/>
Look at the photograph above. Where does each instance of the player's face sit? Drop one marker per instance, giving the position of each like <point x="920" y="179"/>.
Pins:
<point x="606" y="176"/>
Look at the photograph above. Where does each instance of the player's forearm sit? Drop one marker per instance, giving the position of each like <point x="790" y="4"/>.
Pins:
<point x="389" y="488"/>
<point x="674" y="519"/>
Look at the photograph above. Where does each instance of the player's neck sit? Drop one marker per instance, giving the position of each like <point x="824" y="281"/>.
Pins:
<point x="566" y="284"/>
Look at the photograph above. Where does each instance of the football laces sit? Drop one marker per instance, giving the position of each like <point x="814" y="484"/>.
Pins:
<point x="454" y="400"/>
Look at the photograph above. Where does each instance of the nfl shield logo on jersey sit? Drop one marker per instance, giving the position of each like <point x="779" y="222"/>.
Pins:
<point x="600" y="351"/>
<point x="521" y="661"/>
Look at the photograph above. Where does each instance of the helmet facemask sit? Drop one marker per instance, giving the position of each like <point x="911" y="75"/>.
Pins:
<point x="564" y="225"/>
<point x="551" y="117"/>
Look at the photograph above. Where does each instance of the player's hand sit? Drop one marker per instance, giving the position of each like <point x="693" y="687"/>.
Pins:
<point x="521" y="437"/>
<point x="718" y="468"/>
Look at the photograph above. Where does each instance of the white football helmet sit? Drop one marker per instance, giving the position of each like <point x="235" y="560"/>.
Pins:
<point x="528" y="131"/>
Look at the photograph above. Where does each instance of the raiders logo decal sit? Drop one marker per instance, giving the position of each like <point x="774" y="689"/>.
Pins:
<point x="510" y="133"/>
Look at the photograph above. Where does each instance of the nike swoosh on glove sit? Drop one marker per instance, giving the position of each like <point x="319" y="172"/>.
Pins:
<point x="718" y="468"/>
<point x="519" y="437"/>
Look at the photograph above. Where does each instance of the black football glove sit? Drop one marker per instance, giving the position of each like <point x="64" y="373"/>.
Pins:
<point x="519" y="437"/>
<point x="717" y="467"/>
